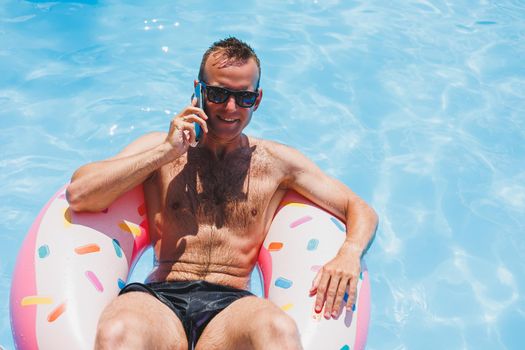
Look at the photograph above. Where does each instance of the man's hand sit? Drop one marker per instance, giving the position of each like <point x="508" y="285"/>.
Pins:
<point x="334" y="279"/>
<point x="182" y="130"/>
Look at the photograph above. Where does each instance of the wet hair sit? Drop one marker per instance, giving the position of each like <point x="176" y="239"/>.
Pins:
<point x="230" y="52"/>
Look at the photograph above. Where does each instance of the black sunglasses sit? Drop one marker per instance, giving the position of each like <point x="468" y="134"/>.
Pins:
<point x="215" y="94"/>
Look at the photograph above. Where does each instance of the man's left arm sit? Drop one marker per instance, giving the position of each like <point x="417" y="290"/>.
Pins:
<point x="341" y="273"/>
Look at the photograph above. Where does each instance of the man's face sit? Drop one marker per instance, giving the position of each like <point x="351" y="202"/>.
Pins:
<point x="227" y="120"/>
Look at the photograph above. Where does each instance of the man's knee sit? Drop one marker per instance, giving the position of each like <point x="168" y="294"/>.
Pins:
<point x="115" y="333"/>
<point x="279" y="325"/>
<point x="129" y="330"/>
<point x="125" y="330"/>
<point x="136" y="320"/>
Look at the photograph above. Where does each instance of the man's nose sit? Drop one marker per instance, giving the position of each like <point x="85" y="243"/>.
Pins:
<point x="230" y="103"/>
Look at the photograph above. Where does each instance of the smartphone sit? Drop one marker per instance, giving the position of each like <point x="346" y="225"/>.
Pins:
<point x="200" y="104"/>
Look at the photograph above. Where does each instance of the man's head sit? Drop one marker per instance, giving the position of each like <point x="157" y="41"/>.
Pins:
<point x="232" y="65"/>
<point x="228" y="52"/>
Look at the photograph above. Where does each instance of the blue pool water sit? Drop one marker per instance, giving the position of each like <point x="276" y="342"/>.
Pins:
<point x="418" y="106"/>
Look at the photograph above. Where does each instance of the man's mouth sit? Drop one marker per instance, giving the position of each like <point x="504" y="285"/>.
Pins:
<point x="227" y="120"/>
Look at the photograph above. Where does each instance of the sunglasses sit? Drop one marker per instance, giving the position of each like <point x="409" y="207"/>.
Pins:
<point x="244" y="99"/>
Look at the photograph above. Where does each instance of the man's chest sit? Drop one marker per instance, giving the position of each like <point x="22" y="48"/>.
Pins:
<point x="230" y="194"/>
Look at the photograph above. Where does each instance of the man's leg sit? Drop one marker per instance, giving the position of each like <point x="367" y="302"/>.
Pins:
<point x="250" y="323"/>
<point x="137" y="320"/>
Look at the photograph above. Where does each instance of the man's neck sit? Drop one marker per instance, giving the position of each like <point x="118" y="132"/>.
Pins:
<point x="220" y="149"/>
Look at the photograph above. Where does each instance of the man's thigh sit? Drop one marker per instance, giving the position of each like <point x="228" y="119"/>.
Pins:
<point x="241" y="322"/>
<point x="141" y="318"/>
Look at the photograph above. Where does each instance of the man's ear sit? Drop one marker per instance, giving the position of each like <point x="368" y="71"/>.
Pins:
<point x="259" y="98"/>
<point x="195" y="82"/>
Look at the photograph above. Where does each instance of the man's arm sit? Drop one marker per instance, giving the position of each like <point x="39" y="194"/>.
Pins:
<point x="96" y="185"/>
<point x="341" y="273"/>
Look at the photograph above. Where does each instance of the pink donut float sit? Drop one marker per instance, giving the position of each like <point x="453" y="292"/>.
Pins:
<point x="71" y="265"/>
<point x="301" y="239"/>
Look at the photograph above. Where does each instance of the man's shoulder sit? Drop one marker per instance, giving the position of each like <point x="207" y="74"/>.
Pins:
<point x="269" y="145"/>
<point x="277" y="152"/>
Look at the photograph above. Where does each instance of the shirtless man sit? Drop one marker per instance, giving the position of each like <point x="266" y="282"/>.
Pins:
<point x="209" y="209"/>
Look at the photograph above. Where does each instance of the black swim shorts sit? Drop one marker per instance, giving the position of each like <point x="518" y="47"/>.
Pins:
<point x="194" y="302"/>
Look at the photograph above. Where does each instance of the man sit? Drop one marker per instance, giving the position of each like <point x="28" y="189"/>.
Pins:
<point x="209" y="209"/>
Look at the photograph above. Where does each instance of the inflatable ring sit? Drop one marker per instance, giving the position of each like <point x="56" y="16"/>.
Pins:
<point x="71" y="265"/>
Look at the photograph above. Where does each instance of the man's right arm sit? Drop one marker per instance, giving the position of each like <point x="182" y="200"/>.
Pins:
<point x="95" y="186"/>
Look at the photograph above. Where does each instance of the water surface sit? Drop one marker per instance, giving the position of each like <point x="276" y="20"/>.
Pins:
<point x="418" y="106"/>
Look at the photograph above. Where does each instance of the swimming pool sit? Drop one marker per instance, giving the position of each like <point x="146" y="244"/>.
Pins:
<point x="418" y="106"/>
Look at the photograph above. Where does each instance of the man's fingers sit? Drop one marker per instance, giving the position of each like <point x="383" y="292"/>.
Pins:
<point x="352" y="291"/>
<point x="315" y="283"/>
<point x="187" y="128"/>
<point x="330" y="296"/>
<point x="193" y="118"/>
<point x="341" y="290"/>
<point x="194" y="110"/>
<point x="192" y="136"/>
<point x="202" y="123"/>
<point x="321" y="291"/>
<point x="187" y="123"/>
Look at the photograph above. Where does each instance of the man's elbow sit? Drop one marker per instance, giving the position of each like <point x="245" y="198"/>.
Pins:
<point x="369" y="214"/>
<point x="373" y="217"/>
<point x="73" y="197"/>
<point x="77" y="199"/>
<point x="364" y="212"/>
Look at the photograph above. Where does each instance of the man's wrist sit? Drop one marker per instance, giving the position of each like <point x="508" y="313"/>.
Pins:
<point x="352" y="248"/>
<point x="167" y="153"/>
